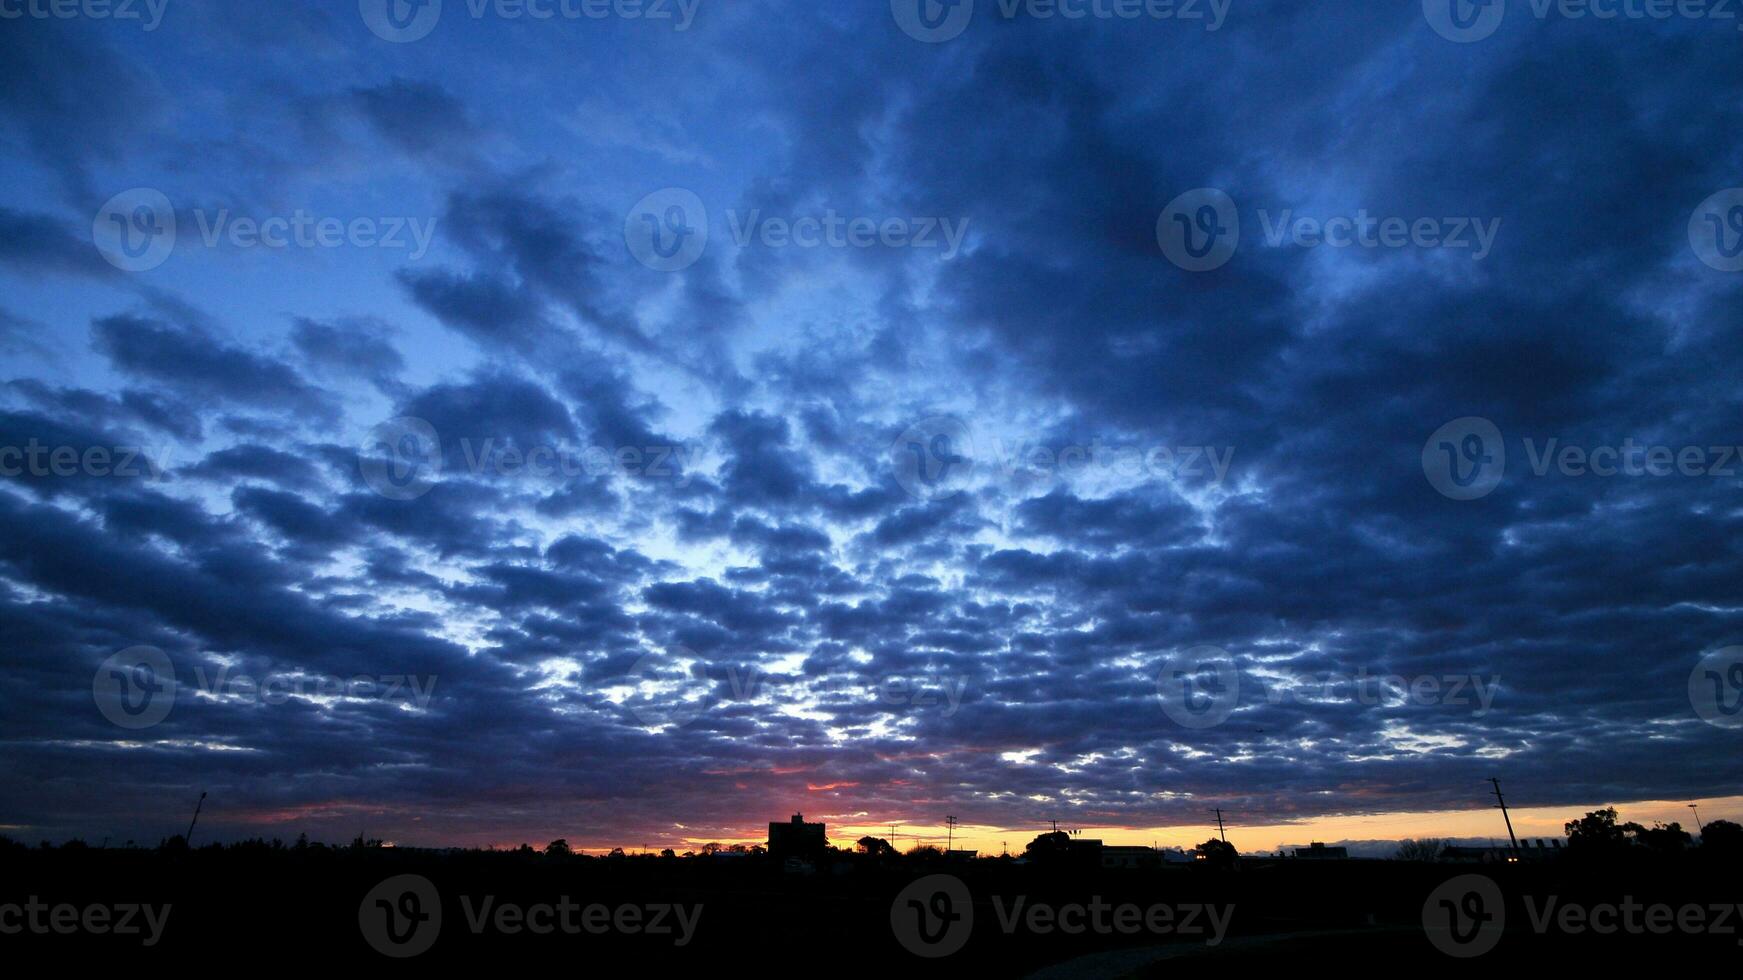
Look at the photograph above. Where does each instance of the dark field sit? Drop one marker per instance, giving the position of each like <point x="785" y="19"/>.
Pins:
<point x="308" y="907"/>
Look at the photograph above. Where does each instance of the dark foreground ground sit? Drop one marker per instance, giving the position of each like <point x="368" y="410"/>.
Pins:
<point x="243" y="907"/>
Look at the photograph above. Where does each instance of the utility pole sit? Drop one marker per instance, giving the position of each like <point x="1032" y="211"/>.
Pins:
<point x="197" y="806"/>
<point x="1502" y="803"/>
<point x="1697" y="818"/>
<point x="950" y="833"/>
<point x="1219" y="826"/>
<point x="892" y="836"/>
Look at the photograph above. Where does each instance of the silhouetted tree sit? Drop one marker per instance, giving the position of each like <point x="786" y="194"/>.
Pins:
<point x="875" y="846"/>
<point x="1722" y="837"/>
<point x="1048" y="847"/>
<point x="1218" y="853"/>
<point x="558" y="848"/>
<point x="924" y="852"/>
<point x="668" y="853"/>
<point x="1661" y="839"/>
<point x="1598" y="831"/>
<point x="1427" y="849"/>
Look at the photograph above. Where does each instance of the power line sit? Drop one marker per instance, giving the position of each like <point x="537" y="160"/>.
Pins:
<point x="190" y="837"/>
<point x="1502" y="803"/>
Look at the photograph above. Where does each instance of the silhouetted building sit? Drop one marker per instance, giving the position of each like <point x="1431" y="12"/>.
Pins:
<point x="1130" y="858"/>
<point x="1529" y="850"/>
<point x="1084" y="851"/>
<point x="1320" y="852"/>
<point x="797" y="839"/>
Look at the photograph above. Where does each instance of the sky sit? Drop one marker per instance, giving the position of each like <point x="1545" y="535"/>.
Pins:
<point x="475" y="422"/>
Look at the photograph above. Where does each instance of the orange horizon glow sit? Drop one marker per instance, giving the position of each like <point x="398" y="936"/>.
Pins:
<point x="1528" y="822"/>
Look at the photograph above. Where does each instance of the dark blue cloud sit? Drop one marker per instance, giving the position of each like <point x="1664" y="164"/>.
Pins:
<point x="650" y="534"/>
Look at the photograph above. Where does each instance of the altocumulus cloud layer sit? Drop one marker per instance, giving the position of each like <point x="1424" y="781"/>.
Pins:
<point x="895" y="494"/>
